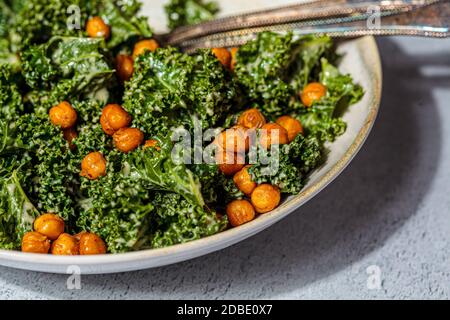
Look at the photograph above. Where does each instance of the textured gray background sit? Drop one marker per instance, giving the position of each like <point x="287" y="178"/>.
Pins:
<point x="390" y="209"/>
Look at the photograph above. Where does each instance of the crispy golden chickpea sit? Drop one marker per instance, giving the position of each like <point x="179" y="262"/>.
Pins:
<point x="90" y="243"/>
<point x="252" y="118"/>
<point x="124" y="67"/>
<point x="230" y="163"/>
<point x="312" y="92"/>
<point x="49" y="225"/>
<point x="244" y="181"/>
<point x="113" y="118"/>
<point x="93" y="166"/>
<point x="265" y="198"/>
<point x="34" y="242"/>
<point x="70" y="135"/>
<point x="143" y="46"/>
<point x="63" y="115"/>
<point x="233" y="52"/>
<point x="152" y="144"/>
<point x="234" y="139"/>
<point x="65" y="245"/>
<point x="223" y="55"/>
<point x="292" y="126"/>
<point x="273" y="133"/>
<point x="97" y="28"/>
<point x="128" y="139"/>
<point x="240" y="212"/>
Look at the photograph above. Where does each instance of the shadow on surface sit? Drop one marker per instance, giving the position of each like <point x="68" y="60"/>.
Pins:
<point x="351" y="218"/>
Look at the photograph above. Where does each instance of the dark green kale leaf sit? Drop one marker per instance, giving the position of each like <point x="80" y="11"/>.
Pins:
<point x="164" y="170"/>
<point x="39" y="20"/>
<point x="116" y="207"/>
<point x="65" y="68"/>
<point x="11" y="105"/>
<point x="323" y="118"/>
<point x="179" y="221"/>
<point x="308" y="60"/>
<point x="124" y="20"/>
<point x="52" y="184"/>
<point x="145" y="200"/>
<point x="171" y="89"/>
<point x="8" y="37"/>
<point x="273" y="68"/>
<point x="208" y="175"/>
<point x="260" y="67"/>
<point x="188" y="12"/>
<point x="339" y="86"/>
<point x="17" y="213"/>
<point x="289" y="165"/>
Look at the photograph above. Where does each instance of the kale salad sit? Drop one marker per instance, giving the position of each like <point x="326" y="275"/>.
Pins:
<point x="89" y="105"/>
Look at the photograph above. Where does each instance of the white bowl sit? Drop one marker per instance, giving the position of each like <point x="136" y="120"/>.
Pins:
<point x="360" y="59"/>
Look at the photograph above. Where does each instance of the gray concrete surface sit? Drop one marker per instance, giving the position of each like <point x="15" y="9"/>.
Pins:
<point x="388" y="214"/>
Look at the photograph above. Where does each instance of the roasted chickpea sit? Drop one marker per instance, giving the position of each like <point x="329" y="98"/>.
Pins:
<point x="223" y="55"/>
<point x="113" y="118"/>
<point x="63" y="115"/>
<point x="97" y="28"/>
<point x="50" y="225"/>
<point x="252" y="118"/>
<point x="93" y="166"/>
<point x="292" y="126"/>
<point x="265" y="198"/>
<point x="240" y="212"/>
<point x="244" y="181"/>
<point x="312" y="92"/>
<point x="234" y="139"/>
<point x="143" y="46"/>
<point x="34" y="242"/>
<point x="70" y="135"/>
<point x="273" y="133"/>
<point x="152" y="144"/>
<point x="124" y="67"/>
<point x="229" y="163"/>
<point x="233" y="52"/>
<point x="90" y="243"/>
<point x="128" y="139"/>
<point x="65" y="245"/>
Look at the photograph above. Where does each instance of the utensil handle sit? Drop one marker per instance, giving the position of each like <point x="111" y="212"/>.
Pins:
<point x="413" y="18"/>
<point x="313" y="11"/>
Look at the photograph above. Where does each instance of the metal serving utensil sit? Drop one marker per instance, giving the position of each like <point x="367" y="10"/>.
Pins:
<point x="336" y="18"/>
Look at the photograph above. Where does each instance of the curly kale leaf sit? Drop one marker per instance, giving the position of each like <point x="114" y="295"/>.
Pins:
<point x="188" y="12"/>
<point x="11" y="105"/>
<point x="116" y="207"/>
<point x="64" y="68"/>
<point x="179" y="221"/>
<point x="208" y="175"/>
<point x="323" y="119"/>
<point x="288" y="166"/>
<point x="161" y="170"/>
<point x="39" y="20"/>
<point x="124" y="20"/>
<point x="274" y="67"/>
<point x="17" y="213"/>
<point x="8" y="37"/>
<point x="169" y="89"/>
<point x="339" y="86"/>
<point x="146" y="200"/>
<point x="304" y="68"/>
<point x="260" y="67"/>
<point x="53" y="179"/>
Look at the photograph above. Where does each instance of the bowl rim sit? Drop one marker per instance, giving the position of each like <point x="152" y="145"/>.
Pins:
<point x="196" y="248"/>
